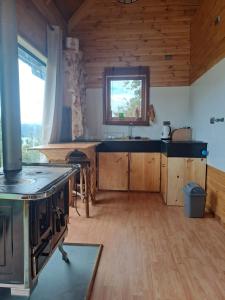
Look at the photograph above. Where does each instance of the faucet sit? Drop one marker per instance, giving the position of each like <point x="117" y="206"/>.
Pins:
<point x="130" y="130"/>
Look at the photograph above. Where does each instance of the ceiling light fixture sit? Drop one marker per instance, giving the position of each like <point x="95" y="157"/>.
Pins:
<point x="127" y="1"/>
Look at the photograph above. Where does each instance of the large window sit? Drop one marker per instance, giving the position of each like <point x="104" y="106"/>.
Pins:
<point x="32" y="72"/>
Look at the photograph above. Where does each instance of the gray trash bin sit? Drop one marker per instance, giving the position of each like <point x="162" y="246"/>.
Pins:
<point x="194" y="200"/>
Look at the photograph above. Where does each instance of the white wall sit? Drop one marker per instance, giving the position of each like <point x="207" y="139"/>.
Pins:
<point x="171" y="104"/>
<point x="183" y="106"/>
<point x="207" y="99"/>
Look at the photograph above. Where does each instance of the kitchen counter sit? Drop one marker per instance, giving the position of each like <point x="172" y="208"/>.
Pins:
<point x="169" y="148"/>
<point x="60" y="152"/>
<point x="137" y="145"/>
<point x="195" y="149"/>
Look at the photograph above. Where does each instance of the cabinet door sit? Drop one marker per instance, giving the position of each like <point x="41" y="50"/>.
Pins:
<point x="164" y="177"/>
<point x="176" y="180"/>
<point x="195" y="170"/>
<point x="113" y="171"/>
<point x="180" y="172"/>
<point x="145" y="172"/>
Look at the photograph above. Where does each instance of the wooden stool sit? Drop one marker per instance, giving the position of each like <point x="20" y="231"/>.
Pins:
<point x="79" y="158"/>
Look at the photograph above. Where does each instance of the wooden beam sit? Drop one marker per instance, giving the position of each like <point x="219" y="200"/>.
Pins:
<point x="80" y="13"/>
<point x="51" y="13"/>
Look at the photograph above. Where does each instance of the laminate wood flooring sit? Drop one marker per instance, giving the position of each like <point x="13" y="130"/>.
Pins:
<point x="151" y="251"/>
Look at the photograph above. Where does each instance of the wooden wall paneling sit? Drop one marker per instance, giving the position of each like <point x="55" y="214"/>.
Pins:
<point x="31" y="25"/>
<point x="67" y="7"/>
<point x="49" y="10"/>
<point x="33" y="17"/>
<point x="80" y="13"/>
<point x="113" y="171"/>
<point x="145" y="172"/>
<point x="112" y="34"/>
<point x="207" y="39"/>
<point x="216" y="192"/>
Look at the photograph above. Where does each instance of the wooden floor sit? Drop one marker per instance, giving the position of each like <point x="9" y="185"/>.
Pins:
<point x="152" y="251"/>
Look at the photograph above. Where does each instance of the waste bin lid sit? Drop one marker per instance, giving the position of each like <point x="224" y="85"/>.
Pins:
<point x="194" y="189"/>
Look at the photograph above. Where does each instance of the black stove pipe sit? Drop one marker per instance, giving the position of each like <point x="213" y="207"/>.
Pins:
<point x="9" y="86"/>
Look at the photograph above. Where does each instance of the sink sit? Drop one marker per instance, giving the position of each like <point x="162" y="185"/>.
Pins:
<point x="138" y="138"/>
<point x="128" y="138"/>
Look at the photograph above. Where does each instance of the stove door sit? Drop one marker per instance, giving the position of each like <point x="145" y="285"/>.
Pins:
<point x="60" y="215"/>
<point x="41" y="256"/>
<point x="41" y="221"/>
<point x="11" y="242"/>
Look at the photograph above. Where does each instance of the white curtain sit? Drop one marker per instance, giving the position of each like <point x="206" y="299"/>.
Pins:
<point x="53" y="103"/>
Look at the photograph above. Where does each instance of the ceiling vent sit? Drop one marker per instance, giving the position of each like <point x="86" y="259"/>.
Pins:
<point x="127" y="1"/>
<point x="168" y="57"/>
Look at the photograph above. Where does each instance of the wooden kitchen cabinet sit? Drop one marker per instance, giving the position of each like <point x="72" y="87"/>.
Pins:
<point x="176" y="173"/>
<point x="113" y="171"/>
<point x="145" y="172"/>
<point x="164" y="177"/>
<point x="129" y="171"/>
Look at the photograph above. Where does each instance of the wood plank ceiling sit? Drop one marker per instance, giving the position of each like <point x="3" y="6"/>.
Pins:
<point x="113" y="34"/>
<point x="154" y="33"/>
<point x="67" y="7"/>
<point x="207" y="37"/>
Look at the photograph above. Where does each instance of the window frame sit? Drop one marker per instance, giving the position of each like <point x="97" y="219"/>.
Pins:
<point x="126" y="73"/>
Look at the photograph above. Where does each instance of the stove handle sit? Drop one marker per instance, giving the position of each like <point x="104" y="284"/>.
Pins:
<point x="45" y="244"/>
<point x="60" y="219"/>
<point x="57" y="219"/>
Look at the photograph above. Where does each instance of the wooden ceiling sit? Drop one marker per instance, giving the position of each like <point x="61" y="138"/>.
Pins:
<point x="154" y="33"/>
<point x="138" y="34"/>
<point x="67" y="7"/>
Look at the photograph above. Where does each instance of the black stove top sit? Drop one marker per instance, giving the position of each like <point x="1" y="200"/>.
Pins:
<point x="32" y="179"/>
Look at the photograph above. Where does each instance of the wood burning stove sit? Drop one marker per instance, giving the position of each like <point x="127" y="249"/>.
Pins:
<point x="34" y="211"/>
<point x="34" y="200"/>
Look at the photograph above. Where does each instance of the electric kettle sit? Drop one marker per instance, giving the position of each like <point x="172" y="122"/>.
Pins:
<point x="166" y="131"/>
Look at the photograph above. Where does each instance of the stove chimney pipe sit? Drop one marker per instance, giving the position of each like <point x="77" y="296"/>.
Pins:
<point x="9" y="76"/>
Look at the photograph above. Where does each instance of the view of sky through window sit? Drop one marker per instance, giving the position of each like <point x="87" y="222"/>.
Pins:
<point x="32" y="85"/>
<point x="126" y="98"/>
<point x="31" y="95"/>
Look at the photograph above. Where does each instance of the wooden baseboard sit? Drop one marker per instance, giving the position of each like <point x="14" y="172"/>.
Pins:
<point x="215" y="186"/>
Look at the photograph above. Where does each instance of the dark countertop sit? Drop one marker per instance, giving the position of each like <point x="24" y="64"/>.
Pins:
<point x="169" y="148"/>
<point x="195" y="149"/>
<point x="129" y="146"/>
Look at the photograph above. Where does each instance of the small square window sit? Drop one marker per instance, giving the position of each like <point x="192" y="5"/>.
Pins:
<point x="126" y="96"/>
